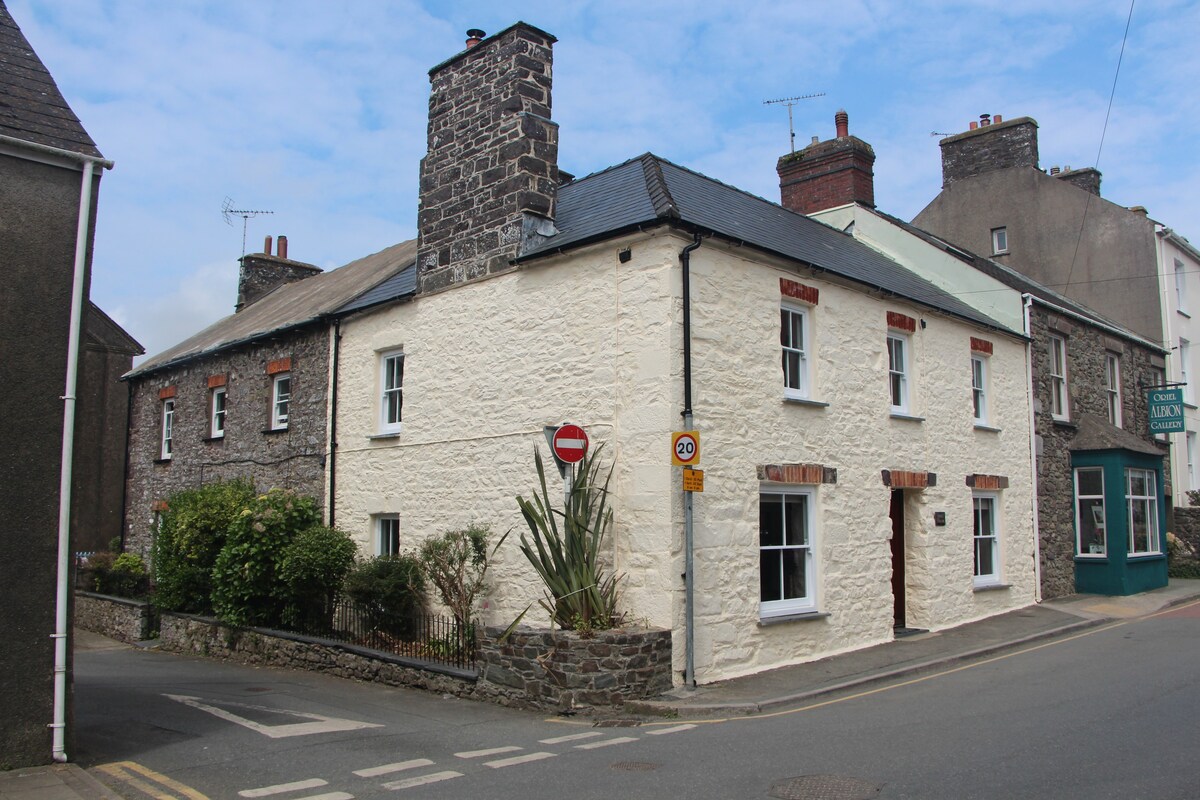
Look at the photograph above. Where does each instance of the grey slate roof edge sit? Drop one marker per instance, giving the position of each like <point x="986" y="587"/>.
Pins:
<point x="405" y="289"/>
<point x="116" y="336"/>
<point x="1019" y="281"/>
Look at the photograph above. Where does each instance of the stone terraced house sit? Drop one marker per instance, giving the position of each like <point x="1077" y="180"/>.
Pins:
<point x="1087" y="379"/>
<point x="849" y="493"/>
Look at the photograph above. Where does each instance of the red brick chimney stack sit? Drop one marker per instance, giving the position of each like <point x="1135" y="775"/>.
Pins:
<point x="828" y="174"/>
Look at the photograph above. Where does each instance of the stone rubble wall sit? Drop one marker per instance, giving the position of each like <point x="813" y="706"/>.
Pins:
<point x="116" y="617"/>
<point x="533" y="669"/>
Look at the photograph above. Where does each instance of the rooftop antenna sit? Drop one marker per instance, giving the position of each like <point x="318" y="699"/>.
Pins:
<point x="227" y="210"/>
<point x="939" y="133"/>
<point x="791" y="101"/>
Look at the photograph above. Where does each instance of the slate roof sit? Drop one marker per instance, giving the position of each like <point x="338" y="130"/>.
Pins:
<point x="1019" y="281"/>
<point x="289" y="306"/>
<point x="32" y="108"/>
<point x="402" y="284"/>
<point x="1095" y="433"/>
<point x="650" y="190"/>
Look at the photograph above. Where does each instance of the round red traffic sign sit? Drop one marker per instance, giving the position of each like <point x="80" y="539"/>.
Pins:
<point x="570" y="444"/>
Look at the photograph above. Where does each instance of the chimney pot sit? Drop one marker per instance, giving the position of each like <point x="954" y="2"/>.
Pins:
<point x="985" y="119"/>
<point x="997" y="119"/>
<point x="816" y="139"/>
<point x="474" y="37"/>
<point x="1054" y="170"/>
<point x="974" y="125"/>
<point x="267" y="246"/>
<point x="842" y="120"/>
<point x="283" y="247"/>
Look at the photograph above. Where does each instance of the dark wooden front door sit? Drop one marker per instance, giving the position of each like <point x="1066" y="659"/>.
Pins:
<point x="897" y="515"/>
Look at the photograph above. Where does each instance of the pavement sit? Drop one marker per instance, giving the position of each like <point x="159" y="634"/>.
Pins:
<point x="906" y="656"/>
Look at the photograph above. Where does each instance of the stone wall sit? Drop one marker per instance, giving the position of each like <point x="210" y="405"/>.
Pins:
<point x="1012" y="143"/>
<point x="1087" y="347"/>
<point x="532" y="669"/>
<point x="293" y="458"/>
<point x="1187" y="526"/>
<point x="116" y="617"/>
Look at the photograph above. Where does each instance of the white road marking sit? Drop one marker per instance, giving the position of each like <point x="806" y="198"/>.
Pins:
<point x="606" y="743"/>
<point x="432" y="777"/>
<point x="573" y="737"/>
<point x="387" y="769"/>
<point x="320" y="724"/>
<point x="280" y="788"/>
<point x="525" y="759"/>
<point x="490" y="752"/>
<point x="328" y="796"/>
<point x="661" y="731"/>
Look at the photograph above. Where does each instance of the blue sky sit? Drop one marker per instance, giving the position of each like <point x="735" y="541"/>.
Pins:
<point x="316" y="110"/>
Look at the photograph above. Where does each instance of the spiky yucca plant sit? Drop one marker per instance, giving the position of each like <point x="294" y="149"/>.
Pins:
<point x="578" y="593"/>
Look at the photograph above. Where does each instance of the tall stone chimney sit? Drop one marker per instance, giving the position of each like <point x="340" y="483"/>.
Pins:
<point x="490" y="177"/>
<point x="1086" y="178"/>
<point x="263" y="272"/>
<point x="990" y="144"/>
<point x="828" y="174"/>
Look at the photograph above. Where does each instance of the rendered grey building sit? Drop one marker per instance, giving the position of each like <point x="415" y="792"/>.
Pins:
<point x="49" y="184"/>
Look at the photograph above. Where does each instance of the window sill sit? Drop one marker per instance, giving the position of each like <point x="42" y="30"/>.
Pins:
<point x="804" y="401"/>
<point x="1063" y="422"/>
<point x="1091" y="558"/>
<point x="271" y="431"/>
<point x="987" y="428"/>
<point x="1145" y="556"/>
<point x="162" y="461"/>
<point x="992" y="587"/>
<point x="383" y="437"/>
<point x="801" y="616"/>
<point x="1001" y="253"/>
<point x="213" y="439"/>
<point x="906" y="417"/>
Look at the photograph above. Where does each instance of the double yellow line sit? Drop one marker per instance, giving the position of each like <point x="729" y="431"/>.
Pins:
<point x="149" y="782"/>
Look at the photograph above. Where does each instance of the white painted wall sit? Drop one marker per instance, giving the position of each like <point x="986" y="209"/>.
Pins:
<point x="1180" y="322"/>
<point x="583" y="338"/>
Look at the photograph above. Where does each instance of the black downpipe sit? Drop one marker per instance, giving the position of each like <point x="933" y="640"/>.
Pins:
<point x="125" y="470"/>
<point x="333" y="409"/>
<point x="685" y="258"/>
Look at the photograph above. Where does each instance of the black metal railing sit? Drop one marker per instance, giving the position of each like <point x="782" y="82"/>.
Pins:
<point x="427" y="637"/>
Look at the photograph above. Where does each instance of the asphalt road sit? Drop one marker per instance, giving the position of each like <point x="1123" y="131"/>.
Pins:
<point x="1109" y="713"/>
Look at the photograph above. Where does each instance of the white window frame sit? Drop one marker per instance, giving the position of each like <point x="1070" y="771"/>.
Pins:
<point x="281" y="401"/>
<point x="1190" y="451"/>
<point x="168" y="425"/>
<point x="1180" y="288"/>
<point x="1185" y="357"/>
<point x="899" y="372"/>
<point x="1103" y="524"/>
<point x="796" y="383"/>
<point x="1149" y="502"/>
<point x="1060" y="404"/>
<point x="988" y="539"/>
<point x="387" y="534"/>
<point x="807" y="550"/>
<point x="999" y="240"/>
<point x="1112" y="387"/>
<point x="979" y="399"/>
<point x="389" y="393"/>
<point x="217" y="403"/>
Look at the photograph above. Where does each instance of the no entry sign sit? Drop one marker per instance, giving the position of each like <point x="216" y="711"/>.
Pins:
<point x="570" y="444"/>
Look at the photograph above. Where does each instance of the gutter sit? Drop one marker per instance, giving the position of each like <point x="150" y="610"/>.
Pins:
<point x="88" y="166"/>
<point x="1128" y="336"/>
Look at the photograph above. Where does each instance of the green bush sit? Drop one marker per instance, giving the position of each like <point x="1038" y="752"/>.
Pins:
<point x="246" y="575"/>
<point x="565" y="549"/>
<point x="456" y="564"/>
<point x="191" y="533"/>
<point x="390" y="590"/>
<point x="310" y="576"/>
<point x="121" y="575"/>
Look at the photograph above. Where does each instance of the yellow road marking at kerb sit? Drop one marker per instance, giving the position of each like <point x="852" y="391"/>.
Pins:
<point x="121" y="771"/>
<point x="943" y="673"/>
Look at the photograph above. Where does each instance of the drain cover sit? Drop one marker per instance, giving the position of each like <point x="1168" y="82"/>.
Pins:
<point x="824" y="787"/>
<point x="635" y="766"/>
<point x="617" y="723"/>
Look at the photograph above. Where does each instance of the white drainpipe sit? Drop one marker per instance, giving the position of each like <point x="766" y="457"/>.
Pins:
<point x="1033" y="454"/>
<point x="88" y="165"/>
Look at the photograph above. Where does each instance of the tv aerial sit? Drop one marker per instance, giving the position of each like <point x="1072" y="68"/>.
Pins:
<point x="227" y="211"/>
<point x="789" y="102"/>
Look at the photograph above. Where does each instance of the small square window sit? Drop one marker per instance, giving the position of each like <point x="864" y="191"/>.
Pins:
<point x="999" y="240"/>
<point x="281" y="400"/>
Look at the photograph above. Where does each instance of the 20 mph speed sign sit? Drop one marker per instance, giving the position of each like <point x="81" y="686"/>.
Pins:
<point x="685" y="448"/>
